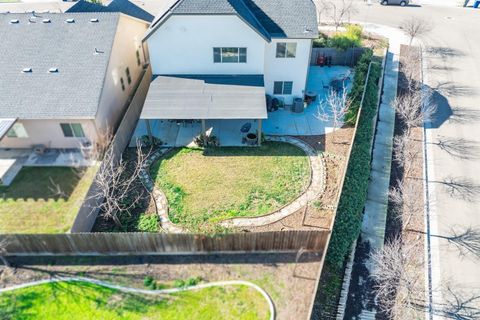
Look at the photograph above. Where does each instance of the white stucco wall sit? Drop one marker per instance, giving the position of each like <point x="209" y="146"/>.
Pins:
<point x="49" y="133"/>
<point x="112" y="102"/>
<point x="184" y="45"/>
<point x="288" y="69"/>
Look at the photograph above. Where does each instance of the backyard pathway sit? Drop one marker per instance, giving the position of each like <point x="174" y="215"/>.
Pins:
<point x="316" y="188"/>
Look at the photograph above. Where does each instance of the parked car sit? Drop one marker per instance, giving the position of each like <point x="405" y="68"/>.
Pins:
<point x="402" y="3"/>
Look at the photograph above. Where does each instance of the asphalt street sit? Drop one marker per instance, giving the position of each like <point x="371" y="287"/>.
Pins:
<point x="452" y="70"/>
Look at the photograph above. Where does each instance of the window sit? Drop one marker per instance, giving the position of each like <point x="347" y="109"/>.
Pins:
<point x="72" y="130"/>
<point x="282" y="87"/>
<point x="129" y="78"/>
<point x="229" y="55"/>
<point x="139" y="61"/>
<point x="122" y="83"/>
<point x="17" y="131"/>
<point x="286" y="49"/>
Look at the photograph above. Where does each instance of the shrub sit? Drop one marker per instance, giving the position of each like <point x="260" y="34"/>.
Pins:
<point x="355" y="94"/>
<point x="193" y="281"/>
<point x="147" y="281"/>
<point x="354" y="194"/>
<point x="204" y="141"/>
<point x="148" y="223"/>
<point x="179" y="283"/>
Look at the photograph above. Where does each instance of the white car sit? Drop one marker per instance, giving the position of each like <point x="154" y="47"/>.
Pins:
<point x="402" y="3"/>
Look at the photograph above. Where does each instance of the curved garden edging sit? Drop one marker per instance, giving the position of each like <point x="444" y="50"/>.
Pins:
<point x="150" y="292"/>
<point x="316" y="188"/>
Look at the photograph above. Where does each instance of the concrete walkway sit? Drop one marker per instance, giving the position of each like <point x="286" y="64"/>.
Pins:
<point x="375" y="212"/>
<point x="271" y="307"/>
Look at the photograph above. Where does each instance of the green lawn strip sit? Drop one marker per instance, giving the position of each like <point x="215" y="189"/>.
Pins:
<point x="43" y="199"/>
<point x="204" y="187"/>
<point x="80" y="300"/>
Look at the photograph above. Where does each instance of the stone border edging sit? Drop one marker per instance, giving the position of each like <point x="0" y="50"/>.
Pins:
<point x="316" y="188"/>
<point x="150" y="292"/>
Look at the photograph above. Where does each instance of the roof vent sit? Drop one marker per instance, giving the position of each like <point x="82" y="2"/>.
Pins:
<point x="98" y="51"/>
<point x="94" y="20"/>
<point x="53" y="70"/>
<point x="46" y="21"/>
<point x="32" y="19"/>
<point x="27" y="70"/>
<point x="70" y="20"/>
<point x="14" y="21"/>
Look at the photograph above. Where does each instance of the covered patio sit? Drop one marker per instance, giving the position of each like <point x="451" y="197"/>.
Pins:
<point x="179" y="108"/>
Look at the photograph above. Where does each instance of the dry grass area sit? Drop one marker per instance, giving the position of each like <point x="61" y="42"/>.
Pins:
<point x="320" y="213"/>
<point x="290" y="285"/>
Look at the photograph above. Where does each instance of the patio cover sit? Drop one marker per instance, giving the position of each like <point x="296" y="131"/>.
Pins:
<point x="5" y="125"/>
<point x="201" y="97"/>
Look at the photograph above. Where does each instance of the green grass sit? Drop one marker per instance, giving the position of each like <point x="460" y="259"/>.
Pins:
<point x="79" y="300"/>
<point x="43" y="199"/>
<point x="204" y="187"/>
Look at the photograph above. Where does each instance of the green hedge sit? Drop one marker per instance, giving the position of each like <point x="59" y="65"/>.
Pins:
<point x="351" y="37"/>
<point x="354" y="194"/>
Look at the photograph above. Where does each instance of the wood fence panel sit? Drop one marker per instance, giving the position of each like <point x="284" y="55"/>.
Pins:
<point x="161" y="243"/>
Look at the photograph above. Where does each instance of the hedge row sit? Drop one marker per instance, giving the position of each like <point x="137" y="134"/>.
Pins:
<point x="354" y="193"/>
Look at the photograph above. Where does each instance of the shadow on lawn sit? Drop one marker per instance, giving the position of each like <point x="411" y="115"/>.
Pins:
<point x="43" y="183"/>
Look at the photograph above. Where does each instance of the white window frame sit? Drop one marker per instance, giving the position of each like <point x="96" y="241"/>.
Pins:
<point x="17" y="131"/>
<point x="74" y="134"/>
<point x="283" y="88"/>
<point x="238" y="54"/>
<point x="285" y="55"/>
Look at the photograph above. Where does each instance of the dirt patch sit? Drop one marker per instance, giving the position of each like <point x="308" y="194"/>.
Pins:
<point x="290" y="285"/>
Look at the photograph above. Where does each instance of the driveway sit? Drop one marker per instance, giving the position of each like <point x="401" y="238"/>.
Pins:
<point x="453" y="71"/>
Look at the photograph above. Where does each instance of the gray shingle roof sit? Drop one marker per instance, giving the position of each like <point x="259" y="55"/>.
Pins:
<point x="270" y="18"/>
<point x="72" y="92"/>
<point x="123" y="6"/>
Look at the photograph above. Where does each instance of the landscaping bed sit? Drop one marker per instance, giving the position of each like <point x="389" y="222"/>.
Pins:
<point x="43" y="199"/>
<point x="81" y="300"/>
<point x="206" y="186"/>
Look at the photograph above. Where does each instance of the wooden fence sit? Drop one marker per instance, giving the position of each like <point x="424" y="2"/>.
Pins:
<point x="347" y="57"/>
<point x="161" y="243"/>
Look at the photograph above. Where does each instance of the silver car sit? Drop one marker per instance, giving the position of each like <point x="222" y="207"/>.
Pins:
<point x="402" y="3"/>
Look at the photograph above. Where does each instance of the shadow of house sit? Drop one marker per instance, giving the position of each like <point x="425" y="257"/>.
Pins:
<point x="56" y="183"/>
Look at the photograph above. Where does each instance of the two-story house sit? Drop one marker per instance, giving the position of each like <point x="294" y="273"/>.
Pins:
<point x="217" y="59"/>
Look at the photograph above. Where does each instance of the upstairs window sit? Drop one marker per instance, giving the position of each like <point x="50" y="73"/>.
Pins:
<point x="129" y="77"/>
<point x="122" y="83"/>
<point x="139" y="61"/>
<point x="282" y="87"/>
<point x="229" y="55"/>
<point x="17" y="131"/>
<point x="286" y="49"/>
<point x="72" y="130"/>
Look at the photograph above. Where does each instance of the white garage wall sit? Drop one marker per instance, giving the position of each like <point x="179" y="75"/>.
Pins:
<point x="184" y="45"/>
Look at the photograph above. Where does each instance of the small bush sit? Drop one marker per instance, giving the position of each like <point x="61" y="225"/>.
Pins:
<point x="193" y="281"/>
<point x="147" y="281"/>
<point x="179" y="283"/>
<point x="351" y="37"/>
<point x="148" y="223"/>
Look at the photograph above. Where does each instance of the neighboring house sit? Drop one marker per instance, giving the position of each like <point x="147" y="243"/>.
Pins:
<point x="66" y="78"/>
<point x="217" y="59"/>
<point x="122" y="6"/>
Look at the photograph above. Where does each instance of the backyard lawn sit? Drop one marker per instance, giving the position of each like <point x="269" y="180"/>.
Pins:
<point x="43" y="199"/>
<point x="79" y="300"/>
<point x="206" y="186"/>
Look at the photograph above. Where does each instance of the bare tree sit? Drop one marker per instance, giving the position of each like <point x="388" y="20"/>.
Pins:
<point x="467" y="240"/>
<point x="415" y="27"/>
<point x="338" y="12"/>
<point x="406" y="152"/>
<point x="414" y="108"/>
<point x="406" y="200"/>
<point x="3" y="250"/>
<point x="334" y="108"/>
<point x="115" y="183"/>
<point x="459" y="147"/>
<point x="397" y="271"/>
<point x="459" y="305"/>
<point x="410" y="67"/>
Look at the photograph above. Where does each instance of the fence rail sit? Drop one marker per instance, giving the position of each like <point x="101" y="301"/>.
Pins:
<point x="162" y="243"/>
<point x="347" y="57"/>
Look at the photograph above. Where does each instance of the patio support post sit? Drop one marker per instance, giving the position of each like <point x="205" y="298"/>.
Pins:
<point x="259" y="135"/>
<point x="204" y="131"/>
<point x="149" y="130"/>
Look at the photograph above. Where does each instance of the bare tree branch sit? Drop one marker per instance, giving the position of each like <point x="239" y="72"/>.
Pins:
<point x="415" y="27"/>
<point x="338" y="13"/>
<point x="459" y="147"/>
<point x="414" y="108"/>
<point x="407" y="200"/>
<point x="461" y="188"/>
<point x="334" y="108"/>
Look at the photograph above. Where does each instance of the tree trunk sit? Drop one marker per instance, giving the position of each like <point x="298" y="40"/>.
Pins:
<point x="116" y="220"/>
